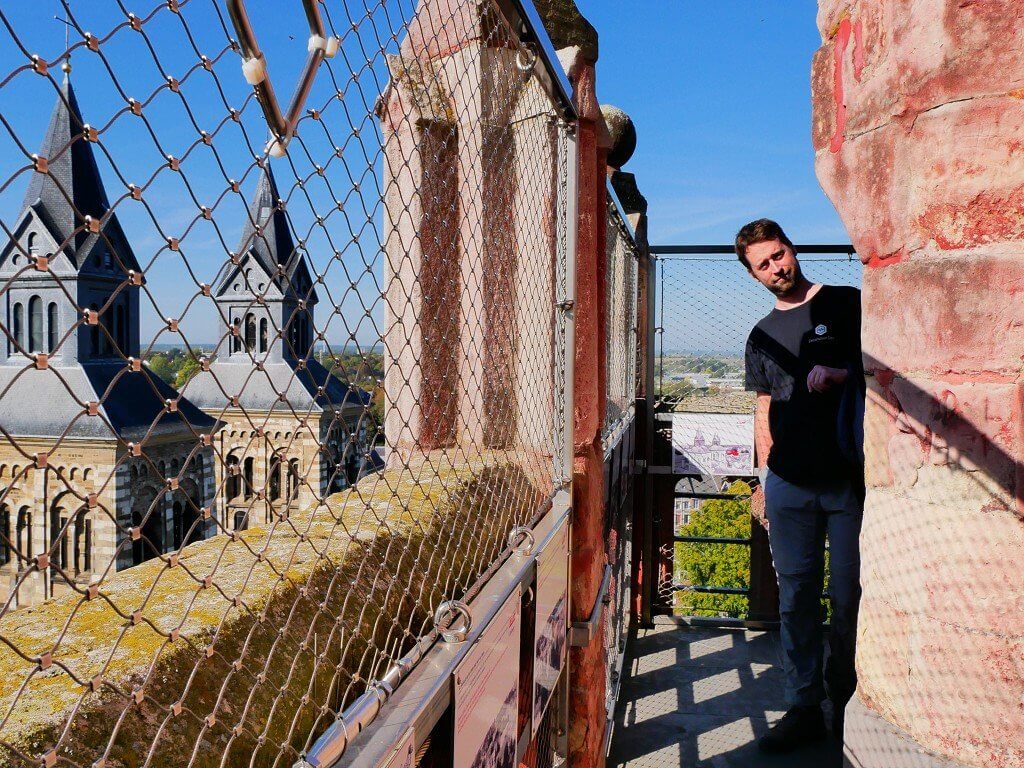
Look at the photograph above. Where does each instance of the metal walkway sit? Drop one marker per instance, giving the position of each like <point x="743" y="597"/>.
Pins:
<point x="702" y="697"/>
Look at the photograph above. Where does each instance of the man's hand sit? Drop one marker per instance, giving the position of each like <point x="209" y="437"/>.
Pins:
<point x="822" y="378"/>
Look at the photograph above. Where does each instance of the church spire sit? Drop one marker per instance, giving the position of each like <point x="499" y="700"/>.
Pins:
<point x="72" y="173"/>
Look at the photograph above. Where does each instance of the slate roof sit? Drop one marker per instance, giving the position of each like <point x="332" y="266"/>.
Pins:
<point x="258" y="390"/>
<point x="48" y="402"/>
<point x="73" y="173"/>
<point x="274" y="245"/>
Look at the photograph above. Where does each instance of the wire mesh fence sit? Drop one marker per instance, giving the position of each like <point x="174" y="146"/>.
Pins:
<point x="621" y="322"/>
<point x="706" y="305"/>
<point x="264" y="402"/>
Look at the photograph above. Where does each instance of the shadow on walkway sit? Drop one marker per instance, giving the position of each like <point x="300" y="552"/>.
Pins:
<point x="702" y="697"/>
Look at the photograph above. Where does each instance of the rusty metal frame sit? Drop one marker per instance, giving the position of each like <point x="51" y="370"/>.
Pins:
<point x="257" y="74"/>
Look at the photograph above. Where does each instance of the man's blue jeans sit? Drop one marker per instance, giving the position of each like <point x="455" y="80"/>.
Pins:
<point x="799" y="517"/>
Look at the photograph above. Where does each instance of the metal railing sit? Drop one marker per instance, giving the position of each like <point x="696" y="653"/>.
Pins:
<point x="705" y="306"/>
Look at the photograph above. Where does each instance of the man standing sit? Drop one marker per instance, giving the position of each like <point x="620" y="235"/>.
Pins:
<point x="804" y="362"/>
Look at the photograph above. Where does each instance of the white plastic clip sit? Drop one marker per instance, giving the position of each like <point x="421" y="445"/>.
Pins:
<point x="316" y="43"/>
<point x="333" y="44"/>
<point x="277" y="147"/>
<point x="254" y="70"/>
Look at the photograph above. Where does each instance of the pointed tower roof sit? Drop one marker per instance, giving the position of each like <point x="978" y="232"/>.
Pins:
<point x="274" y="245"/>
<point x="72" y="188"/>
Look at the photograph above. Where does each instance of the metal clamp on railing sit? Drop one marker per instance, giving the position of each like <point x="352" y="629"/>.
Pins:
<point x="521" y="540"/>
<point x="448" y="610"/>
<point x="582" y="633"/>
<point x="254" y="68"/>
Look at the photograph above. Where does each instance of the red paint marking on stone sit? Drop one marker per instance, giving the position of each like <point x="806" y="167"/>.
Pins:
<point x="988" y="217"/>
<point x="838" y="94"/>
<point x="877" y="261"/>
<point x="858" y="49"/>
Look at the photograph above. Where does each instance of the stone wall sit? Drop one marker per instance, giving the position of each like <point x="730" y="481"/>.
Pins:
<point x="919" y="136"/>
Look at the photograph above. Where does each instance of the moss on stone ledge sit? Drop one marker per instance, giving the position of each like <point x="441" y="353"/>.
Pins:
<point x="352" y="581"/>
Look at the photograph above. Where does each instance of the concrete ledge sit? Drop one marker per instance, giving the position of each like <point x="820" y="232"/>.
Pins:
<point x="871" y="741"/>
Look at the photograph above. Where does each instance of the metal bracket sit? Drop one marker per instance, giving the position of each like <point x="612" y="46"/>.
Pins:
<point x="582" y="633"/>
<point x="254" y="68"/>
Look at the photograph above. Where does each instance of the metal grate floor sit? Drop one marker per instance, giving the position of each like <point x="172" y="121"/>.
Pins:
<point x="702" y="697"/>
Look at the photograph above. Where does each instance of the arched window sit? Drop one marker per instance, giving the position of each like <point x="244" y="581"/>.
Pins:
<point x="19" y="324"/>
<point x="263" y="334"/>
<point x="247" y="473"/>
<point x="250" y="333"/>
<point x="51" y="327"/>
<point x="33" y="244"/>
<point x="275" y="477"/>
<point x="59" y="537"/>
<point x="83" y="544"/>
<point x="119" y="329"/>
<point x="236" y="339"/>
<point x="233" y="484"/>
<point x="178" y="519"/>
<point x="35" y="324"/>
<point x="23" y="534"/>
<point x="293" y="479"/>
<point x="94" y="333"/>
<point x="5" y="535"/>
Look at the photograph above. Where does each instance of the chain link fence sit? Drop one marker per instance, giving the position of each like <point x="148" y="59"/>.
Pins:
<point x="265" y="399"/>
<point x="620" y="322"/>
<point x="705" y="307"/>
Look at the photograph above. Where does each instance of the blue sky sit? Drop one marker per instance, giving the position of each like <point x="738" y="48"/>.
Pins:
<point x="719" y="93"/>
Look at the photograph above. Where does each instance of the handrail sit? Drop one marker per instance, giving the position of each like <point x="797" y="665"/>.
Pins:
<point x="552" y="76"/>
<point x="701" y="250"/>
<point x="627" y="226"/>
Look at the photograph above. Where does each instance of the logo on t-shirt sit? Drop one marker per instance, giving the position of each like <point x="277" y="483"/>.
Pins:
<point x="821" y="330"/>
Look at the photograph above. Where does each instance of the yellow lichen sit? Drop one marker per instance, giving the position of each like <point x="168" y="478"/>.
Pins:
<point x="356" y="577"/>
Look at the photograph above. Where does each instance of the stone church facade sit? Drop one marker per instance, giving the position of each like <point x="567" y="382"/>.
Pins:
<point x="102" y="464"/>
<point x="294" y="433"/>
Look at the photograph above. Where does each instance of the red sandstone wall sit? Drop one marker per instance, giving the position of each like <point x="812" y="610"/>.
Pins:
<point x="919" y="135"/>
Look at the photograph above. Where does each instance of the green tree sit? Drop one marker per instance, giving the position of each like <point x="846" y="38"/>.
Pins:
<point x="189" y="368"/>
<point x="160" y="364"/>
<point x="712" y="564"/>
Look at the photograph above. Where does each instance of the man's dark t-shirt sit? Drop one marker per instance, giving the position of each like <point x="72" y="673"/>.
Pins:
<point x="781" y="351"/>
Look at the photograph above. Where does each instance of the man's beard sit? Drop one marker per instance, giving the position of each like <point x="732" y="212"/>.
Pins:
<point x="786" y="286"/>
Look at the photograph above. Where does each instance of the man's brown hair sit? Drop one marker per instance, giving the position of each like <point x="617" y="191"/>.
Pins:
<point x="758" y="232"/>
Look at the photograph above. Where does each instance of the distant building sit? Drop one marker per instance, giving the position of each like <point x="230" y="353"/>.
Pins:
<point x="124" y="474"/>
<point x="295" y="433"/>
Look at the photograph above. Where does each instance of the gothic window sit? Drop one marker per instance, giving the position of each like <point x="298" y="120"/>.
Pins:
<point x="33" y="245"/>
<point x="19" y="324"/>
<point x="263" y="334"/>
<point x="35" y="324"/>
<point x="236" y="339"/>
<point x="51" y="327"/>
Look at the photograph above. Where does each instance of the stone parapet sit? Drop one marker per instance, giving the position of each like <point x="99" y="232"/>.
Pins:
<point x="258" y="638"/>
<point x="918" y="132"/>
